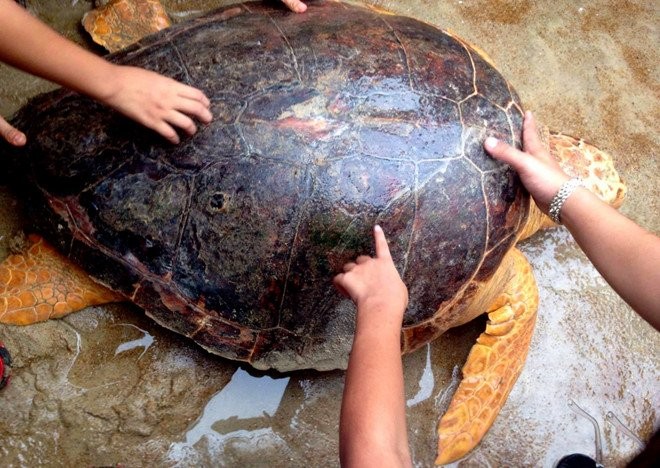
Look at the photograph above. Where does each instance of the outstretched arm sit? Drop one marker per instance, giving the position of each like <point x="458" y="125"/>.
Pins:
<point x="153" y="100"/>
<point x="372" y="426"/>
<point x="625" y="254"/>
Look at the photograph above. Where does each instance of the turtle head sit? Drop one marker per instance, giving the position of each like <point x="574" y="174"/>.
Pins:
<point x="579" y="159"/>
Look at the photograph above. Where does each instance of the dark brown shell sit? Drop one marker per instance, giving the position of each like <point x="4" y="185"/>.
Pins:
<point x="325" y="124"/>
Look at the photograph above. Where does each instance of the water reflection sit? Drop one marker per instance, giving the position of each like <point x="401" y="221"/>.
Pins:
<point x="145" y="342"/>
<point x="426" y="382"/>
<point x="244" y="397"/>
<point x="443" y="398"/>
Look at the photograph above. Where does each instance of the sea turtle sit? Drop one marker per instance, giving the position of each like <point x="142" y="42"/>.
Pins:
<point x="325" y="123"/>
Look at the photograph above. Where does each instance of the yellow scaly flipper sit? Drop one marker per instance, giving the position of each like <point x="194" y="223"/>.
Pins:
<point x="41" y="284"/>
<point x="494" y="363"/>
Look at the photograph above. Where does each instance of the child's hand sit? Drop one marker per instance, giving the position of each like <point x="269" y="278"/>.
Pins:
<point x="156" y="101"/>
<point x="12" y="135"/>
<point x="295" y="5"/>
<point x="374" y="280"/>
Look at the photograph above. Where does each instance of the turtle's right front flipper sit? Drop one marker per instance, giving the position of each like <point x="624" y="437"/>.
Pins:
<point x="41" y="284"/>
<point x="579" y="159"/>
<point x="494" y="363"/>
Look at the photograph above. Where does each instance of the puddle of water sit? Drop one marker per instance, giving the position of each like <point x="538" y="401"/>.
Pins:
<point x="244" y="397"/>
<point x="145" y="342"/>
<point x="426" y="382"/>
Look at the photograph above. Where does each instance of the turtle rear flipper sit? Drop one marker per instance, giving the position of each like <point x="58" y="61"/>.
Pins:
<point x="41" y="284"/>
<point x="494" y="363"/>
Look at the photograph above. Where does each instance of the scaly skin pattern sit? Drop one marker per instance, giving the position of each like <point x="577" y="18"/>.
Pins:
<point x="593" y="165"/>
<point x="494" y="363"/>
<point x="41" y="284"/>
<point x="123" y="22"/>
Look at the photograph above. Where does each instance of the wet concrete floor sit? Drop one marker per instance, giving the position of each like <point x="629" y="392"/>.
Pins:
<point x="107" y="386"/>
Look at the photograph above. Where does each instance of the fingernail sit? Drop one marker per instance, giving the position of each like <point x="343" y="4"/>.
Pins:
<point x="19" y="140"/>
<point x="378" y="228"/>
<point x="490" y="143"/>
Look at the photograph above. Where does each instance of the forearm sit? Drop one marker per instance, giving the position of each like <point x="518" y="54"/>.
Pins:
<point x="373" y="421"/>
<point x="28" y="44"/>
<point x="627" y="256"/>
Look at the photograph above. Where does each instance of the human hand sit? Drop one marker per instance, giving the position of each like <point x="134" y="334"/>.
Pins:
<point x="295" y="5"/>
<point x="12" y="135"/>
<point x="539" y="171"/>
<point x="156" y="101"/>
<point x="374" y="280"/>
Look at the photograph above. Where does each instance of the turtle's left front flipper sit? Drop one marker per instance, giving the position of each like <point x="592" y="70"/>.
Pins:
<point x="120" y="23"/>
<point x="494" y="363"/>
<point x="41" y="284"/>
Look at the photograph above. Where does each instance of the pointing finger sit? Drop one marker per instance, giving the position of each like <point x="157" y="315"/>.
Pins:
<point x="382" y="249"/>
<point x="504" y="152"/>
<point x="295" y="5"/>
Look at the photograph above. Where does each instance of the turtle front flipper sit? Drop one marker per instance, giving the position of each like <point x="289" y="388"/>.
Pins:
<point x="120" y="23"/>
<point x="591" y="164"/>
<point x="41" y="284"/>
<point x="579" y="159"/>
<point x="494" y="363"/>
